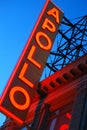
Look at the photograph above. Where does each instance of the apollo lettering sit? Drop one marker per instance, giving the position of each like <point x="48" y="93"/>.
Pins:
<point x="46" y="25"/>
<point x="31" y="63"/>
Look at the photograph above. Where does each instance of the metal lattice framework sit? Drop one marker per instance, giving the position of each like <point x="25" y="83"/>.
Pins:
<point x="70" y="44"/>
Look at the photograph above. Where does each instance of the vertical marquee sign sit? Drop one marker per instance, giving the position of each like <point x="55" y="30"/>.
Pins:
<point x="19" y="91"/>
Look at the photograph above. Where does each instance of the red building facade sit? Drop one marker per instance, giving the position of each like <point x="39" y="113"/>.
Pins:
<point x="60" y="102"/>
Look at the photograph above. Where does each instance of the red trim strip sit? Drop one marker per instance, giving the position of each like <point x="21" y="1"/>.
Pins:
<point x="10" y="115"/>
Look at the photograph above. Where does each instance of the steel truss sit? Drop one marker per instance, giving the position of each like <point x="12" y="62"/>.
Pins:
<point x="69" y="45"/>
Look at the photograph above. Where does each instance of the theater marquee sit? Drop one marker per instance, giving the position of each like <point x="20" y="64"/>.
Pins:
<point x="16" y="98"/>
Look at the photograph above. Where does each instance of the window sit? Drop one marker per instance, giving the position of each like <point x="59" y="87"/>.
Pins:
<point x="60" y="119"/>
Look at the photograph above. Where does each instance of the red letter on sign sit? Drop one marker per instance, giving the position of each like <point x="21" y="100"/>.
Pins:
<point x="55" y="13"/>
<point x="30" y="57"/>
<point x="22" y="73"/>
<point x="49" y="25"/>
<point x="14" y="90"/>
<point x="42" y="45"/>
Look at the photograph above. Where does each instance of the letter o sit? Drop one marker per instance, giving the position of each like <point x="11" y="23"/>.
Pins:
<point x="14" y="103"/>
<point x="49" y="43"/>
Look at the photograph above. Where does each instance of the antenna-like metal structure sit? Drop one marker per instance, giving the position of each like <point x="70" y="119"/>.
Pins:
<point x="70" y="44"/>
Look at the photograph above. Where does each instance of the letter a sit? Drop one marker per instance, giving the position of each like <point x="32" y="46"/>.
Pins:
<point x="55" y="13"/>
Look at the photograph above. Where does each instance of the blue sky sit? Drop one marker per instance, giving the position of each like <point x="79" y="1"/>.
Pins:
<point x="17" y="19"/>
